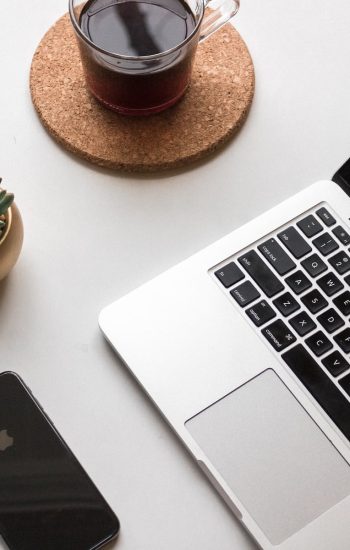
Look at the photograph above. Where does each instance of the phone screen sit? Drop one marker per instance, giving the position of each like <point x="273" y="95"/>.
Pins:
<point x="47" y="501"/>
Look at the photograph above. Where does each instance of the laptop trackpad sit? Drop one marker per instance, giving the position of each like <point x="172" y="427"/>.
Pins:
<point x="273" y="456"/>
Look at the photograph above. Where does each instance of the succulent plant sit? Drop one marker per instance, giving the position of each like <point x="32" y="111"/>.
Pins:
<point x="6" y="199"/>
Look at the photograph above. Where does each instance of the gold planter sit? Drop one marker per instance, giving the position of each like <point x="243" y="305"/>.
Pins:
<point x="11" y="241"/>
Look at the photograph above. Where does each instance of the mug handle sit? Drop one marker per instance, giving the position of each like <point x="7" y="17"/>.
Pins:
<point x="221" y="13"/>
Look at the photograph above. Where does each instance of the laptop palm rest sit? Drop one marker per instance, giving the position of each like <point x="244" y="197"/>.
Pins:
<point x="272" y="455"/>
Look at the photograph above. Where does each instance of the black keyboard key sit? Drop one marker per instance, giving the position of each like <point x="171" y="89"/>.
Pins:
<point x="340" y="262"/>
<point x="286" y="304"/>
<point x="277" y="257"/>
<point x="302" y="323"/>
<point x="345" y="383"/>
<point x="314" y="265"/>
<point x="279" y="335"/>
<point x="261" y="273"/>
<point x="321" y="387"/>
<point x="330" y="320"/>
<point x="342" y="235"/>
<point x="343" y="340"/>
<point x="326" y="217"/>
<point x="330" y="284"/>
<point x="347" y="279"/>
<point x="310" y="226"/>
<point x="298" y="282"/>
<point x="245" y="293"/>
<point x="295" y="243"/>
<point x="260" y="313"/>
<point x="325" y="244"/>
<point x="229" y="275"/>
<point x="342" y="302"/>
<point x="319" y="343"/>
<point x="335" y="363"/>
<point x="314" y="301"/>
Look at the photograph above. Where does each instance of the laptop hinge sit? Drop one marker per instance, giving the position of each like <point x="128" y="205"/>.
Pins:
<point x="342" y="177"/>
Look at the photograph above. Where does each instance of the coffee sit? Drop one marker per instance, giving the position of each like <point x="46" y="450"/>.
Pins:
<point x="137" y="29"/>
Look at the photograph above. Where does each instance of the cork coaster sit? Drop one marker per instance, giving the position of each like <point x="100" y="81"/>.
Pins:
<point x="212" y="110"/>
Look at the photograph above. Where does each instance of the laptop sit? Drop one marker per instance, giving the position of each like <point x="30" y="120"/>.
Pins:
<point x="245" y="350"/>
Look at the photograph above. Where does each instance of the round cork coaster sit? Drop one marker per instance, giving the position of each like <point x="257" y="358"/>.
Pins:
<point x="212" y="110"/>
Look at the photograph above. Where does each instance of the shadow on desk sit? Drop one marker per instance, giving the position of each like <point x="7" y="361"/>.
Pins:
<point x="3" y="286"/>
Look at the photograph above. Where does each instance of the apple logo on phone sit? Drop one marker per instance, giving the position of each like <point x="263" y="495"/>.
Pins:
<point x="6" y="440"/>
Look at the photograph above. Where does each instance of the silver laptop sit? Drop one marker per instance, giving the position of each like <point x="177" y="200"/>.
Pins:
<point x="244" y="348"/>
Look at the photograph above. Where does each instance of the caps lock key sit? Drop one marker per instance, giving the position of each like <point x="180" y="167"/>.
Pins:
<point x="276" y="256"/>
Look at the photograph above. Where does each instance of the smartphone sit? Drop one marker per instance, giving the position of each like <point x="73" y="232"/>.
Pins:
<point x="47" y="500"/>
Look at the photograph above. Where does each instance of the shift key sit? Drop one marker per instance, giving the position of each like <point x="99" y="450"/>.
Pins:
<point x="261" y="273"/>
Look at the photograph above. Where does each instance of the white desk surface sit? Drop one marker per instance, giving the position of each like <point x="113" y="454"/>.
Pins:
<point x="92" y="235"/>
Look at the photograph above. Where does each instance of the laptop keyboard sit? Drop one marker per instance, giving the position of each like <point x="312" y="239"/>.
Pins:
<point x="294" y="287"/>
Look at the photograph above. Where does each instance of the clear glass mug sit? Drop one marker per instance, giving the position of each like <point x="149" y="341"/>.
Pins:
<point x="146" y="84"/>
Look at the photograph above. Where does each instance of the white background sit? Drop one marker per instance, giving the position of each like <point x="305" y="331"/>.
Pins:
<point x="92" y="235"/>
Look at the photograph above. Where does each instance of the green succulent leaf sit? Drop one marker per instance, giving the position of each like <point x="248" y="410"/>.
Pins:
<point x="2" y="224"/>
<point x="5" y="201"/>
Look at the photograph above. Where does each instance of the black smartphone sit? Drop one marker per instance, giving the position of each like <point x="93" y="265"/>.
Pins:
<point x="47" y="500"/>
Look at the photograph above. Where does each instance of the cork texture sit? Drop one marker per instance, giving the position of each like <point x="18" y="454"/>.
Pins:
<point x="212" y="110"/>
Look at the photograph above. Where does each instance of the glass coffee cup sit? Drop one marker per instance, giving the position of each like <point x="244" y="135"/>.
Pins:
<point x="137" y="55"/>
